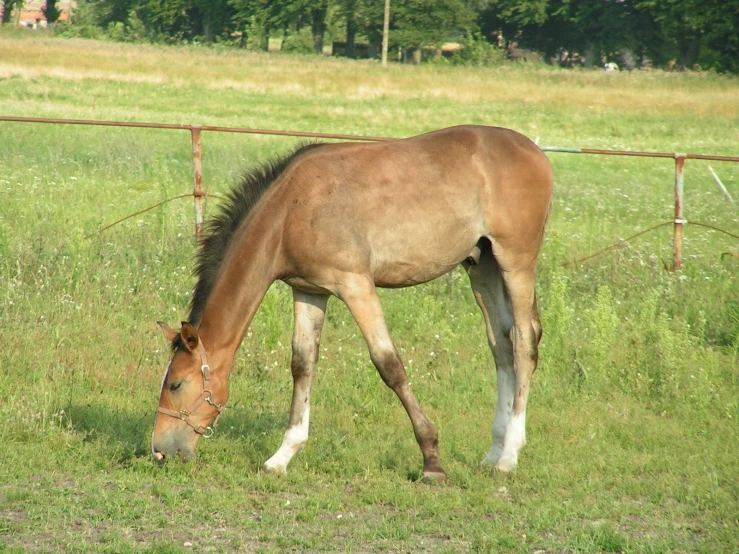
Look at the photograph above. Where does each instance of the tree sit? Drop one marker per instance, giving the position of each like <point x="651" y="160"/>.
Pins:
<point x="693" y="33"/>
<point x="318" y="11"/>
<point x="721" y="36"/>
<point x="682" y="23"/>
<point x="427" y="23"/>
<point x="8" y="8"/>
<point x="352" y="13"/>
<point x="51" y="12"/>
<point x="112" y="11"/>
<point x="288" y="15"/>
<point x="170" y="20"/>
<point x="703" y="32"/>
<point x="186" y="20"/>
<point x="211" y="19"/>
<point x="560" y="28"/>
<point x="252" y="16"/>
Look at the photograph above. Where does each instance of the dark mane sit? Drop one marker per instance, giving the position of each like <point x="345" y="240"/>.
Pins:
<point x="220" y="229"/>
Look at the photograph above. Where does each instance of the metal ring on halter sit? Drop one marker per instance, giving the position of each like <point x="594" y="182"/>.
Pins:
<point x="213" y="403"/>
<point x="205" y="396"/>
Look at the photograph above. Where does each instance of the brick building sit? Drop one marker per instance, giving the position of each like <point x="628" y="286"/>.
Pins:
<point x="32" y="16"/>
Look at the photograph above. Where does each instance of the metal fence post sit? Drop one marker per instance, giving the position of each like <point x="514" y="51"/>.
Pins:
<point x="677" y="262"/>
<point x="198" y="177"/>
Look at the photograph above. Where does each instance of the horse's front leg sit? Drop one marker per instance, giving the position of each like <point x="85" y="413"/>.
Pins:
<point x="360" y="296"/>
<point x="310" y="310"/>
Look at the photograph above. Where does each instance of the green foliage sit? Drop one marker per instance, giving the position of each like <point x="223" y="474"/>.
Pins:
<point x="650" y="354"/>
<point x="557" y="345"/>
<point x="690" y="33"/>
<point x="171" y="21"/>
<point x="253" y="24"/>
<point x="418" y="23"/>
<point x="300" y="42"/>
<point x="645" y="352"/>
<point x="601" y="324"/>
<point x="135" y="29"/>
<point x="734" y="332"/>
<point x="665" y="360"/>
<point x="721" y="36"/>
<point x="132" y="30"/>
<point x="117" y="31"/>
<point x="85" y="22"/>
<point x="476" y="51"/>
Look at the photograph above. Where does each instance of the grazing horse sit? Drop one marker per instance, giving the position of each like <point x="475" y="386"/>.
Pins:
<point x="342" y="220"/>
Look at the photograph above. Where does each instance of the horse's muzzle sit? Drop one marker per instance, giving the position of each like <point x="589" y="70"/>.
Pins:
<point x="171" y="445"/>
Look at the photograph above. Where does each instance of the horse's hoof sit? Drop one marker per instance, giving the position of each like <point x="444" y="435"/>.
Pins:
<point x="433" y="477"/>
<point x="505" y="466"/>
<point x="488" y="462"/>
<point x="272" y="470"/>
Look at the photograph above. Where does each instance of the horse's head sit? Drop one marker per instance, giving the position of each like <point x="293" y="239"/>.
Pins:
<point x="190" y="399"/>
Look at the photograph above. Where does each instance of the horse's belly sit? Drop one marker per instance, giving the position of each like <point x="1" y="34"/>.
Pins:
<point x="406" y="275"/>
<point x="402" y="265"/>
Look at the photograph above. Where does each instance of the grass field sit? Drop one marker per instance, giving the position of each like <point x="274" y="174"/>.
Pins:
<point x="633" y="437"/>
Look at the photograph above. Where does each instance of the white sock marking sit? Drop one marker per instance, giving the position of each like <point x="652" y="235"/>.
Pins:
<point x="292" y="442"/>
<point x="515" y="438"/>
<point x="503" y="410"/>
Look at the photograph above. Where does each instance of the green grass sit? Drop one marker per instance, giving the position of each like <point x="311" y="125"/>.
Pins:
<point x="632" y="437"/>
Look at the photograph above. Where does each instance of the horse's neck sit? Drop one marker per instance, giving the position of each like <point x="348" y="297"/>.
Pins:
<point x="247" y="273"/>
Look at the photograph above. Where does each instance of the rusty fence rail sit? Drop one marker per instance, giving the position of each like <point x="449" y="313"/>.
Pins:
<point x="198" y="193"/>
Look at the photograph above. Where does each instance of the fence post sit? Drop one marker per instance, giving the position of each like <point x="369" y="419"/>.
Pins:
<point x="679" y="221"/>
<point x="198" y="177"/>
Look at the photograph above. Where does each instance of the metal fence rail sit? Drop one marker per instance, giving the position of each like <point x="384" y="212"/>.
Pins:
<point x="198" y="192"/>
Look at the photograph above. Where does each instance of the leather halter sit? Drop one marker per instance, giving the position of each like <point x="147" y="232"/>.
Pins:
<point x="205" y="396"/>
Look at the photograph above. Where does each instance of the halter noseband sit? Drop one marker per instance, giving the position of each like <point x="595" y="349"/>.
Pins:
<point x="205" y="396"/>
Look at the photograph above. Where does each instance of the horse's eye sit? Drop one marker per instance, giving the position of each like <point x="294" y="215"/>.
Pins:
<point x="175" y="386"/>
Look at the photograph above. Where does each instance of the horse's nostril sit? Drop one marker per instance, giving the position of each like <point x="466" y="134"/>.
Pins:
<point x="158" y="456"/>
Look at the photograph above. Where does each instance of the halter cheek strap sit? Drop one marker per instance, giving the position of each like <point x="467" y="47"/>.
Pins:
<point x="205" y="396"/>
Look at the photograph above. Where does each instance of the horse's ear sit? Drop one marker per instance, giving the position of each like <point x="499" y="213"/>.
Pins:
<point x="169" y="333"/>
<point x="189" y="336"/>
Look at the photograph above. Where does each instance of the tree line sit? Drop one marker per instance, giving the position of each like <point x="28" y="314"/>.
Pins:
<point x="663" y="33"/>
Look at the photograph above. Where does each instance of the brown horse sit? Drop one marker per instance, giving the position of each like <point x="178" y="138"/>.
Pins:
<point x="341" y="220"/>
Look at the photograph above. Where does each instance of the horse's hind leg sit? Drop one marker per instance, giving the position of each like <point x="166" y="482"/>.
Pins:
<point x="310" y="310"/>
<point x="525" y="337"/>
<point x="495" y="304"/>
<point x="361" y="298"/>
<point x="508" y="304"/>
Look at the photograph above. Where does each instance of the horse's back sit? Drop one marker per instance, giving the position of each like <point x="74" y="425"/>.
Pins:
<point x="409" y="210"/>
